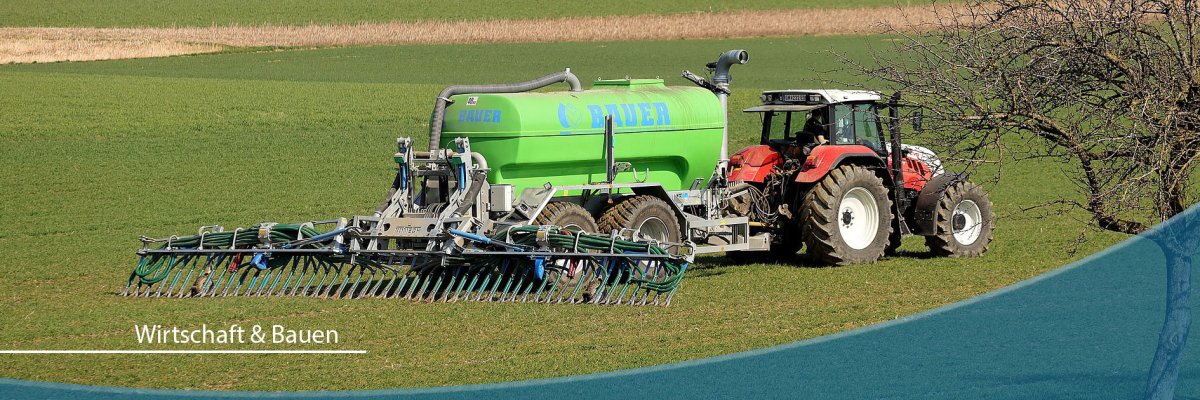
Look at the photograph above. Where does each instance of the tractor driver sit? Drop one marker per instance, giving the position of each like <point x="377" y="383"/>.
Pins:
<point x="814" y="129"/>
<point x="812" y="135"/>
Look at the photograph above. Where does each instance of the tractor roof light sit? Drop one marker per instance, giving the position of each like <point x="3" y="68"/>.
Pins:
<point x="799" y="98"/>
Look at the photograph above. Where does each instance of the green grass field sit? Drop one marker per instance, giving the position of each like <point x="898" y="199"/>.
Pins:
<point x="94" y="154"/>
<point x="139" y="13"/>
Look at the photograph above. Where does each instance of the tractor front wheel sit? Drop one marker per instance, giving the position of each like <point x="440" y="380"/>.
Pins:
<point x="964" y="222"/>
<point x="847" y="217"/>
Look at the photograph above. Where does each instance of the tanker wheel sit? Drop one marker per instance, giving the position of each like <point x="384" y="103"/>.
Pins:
<point x="567" y="215"/>
<point x="570" y="216"/>
<point x="964" y="222"/>
<point x="649" y="216"/>
<point x="847" y="217"/>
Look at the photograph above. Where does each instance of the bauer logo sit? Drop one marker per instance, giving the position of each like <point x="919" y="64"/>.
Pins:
<point x="569" y="116"/>
<point x="631" y="114"/>
<point x="624" y="115"/>
<point x="489" y="116"/>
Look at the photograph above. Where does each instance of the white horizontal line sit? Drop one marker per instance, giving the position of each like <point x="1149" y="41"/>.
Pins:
<point x="183" y="351"/>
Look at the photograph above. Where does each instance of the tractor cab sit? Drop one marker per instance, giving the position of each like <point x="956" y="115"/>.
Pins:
<point x="795" y="121"/>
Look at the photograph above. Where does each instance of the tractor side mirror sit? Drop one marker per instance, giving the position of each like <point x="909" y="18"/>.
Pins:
<point x="917" y="119"/>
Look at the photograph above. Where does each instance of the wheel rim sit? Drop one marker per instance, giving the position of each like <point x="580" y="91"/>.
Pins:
<point x="966" y="222"/>
<point x="858" y="218"/>
<point x="654" y="228"/>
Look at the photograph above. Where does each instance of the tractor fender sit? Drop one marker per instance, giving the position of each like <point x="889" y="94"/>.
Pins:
<point x="825" y="158"/>
<point x="924" y="214"/>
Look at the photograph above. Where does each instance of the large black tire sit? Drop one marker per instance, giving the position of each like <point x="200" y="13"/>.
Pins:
<point x="895" y="239"/>
<point x="827" y="215"/>
<point x="968" y="243"/>
<point x="637" y="211"/>
<point x="567" y="215"/>
<point x="570" y="216"/>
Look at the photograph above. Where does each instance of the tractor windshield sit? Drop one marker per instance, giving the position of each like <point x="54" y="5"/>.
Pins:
<point x="866" y="126"/>
<point x="807" y="126"/>
<point x="857" y="124"/>
<point x="794" y="125"/>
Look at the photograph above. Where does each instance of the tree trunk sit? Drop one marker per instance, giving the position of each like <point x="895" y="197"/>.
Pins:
<point x="1164" y="370"/>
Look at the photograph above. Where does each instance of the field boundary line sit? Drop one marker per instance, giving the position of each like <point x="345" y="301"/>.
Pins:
<point x="48" y="44"/>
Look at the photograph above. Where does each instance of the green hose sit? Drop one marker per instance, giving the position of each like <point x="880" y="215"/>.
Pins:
<point x="154" y="268"/>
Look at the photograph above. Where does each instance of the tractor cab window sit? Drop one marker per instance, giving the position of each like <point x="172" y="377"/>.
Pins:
<point x="857" y="124"/>
<point x="866" y="126"/>
<point x="799" y="126"/>
<point x="843" y="124"/>
<point x="779" y="125"/>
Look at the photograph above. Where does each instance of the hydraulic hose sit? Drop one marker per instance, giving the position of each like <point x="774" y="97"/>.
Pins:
<point x="443" y="99"/>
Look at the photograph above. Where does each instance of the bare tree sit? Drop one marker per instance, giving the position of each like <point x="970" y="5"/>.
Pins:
<point x="1110" y="88"/>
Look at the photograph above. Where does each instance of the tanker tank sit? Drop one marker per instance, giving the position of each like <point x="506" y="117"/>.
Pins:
<point x="532" y="138"/>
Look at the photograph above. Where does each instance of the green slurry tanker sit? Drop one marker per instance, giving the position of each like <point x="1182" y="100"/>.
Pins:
<point x="531" y="139"/>
<point x="601" y="196"/>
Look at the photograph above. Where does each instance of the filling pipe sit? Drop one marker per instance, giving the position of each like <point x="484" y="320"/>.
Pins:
<point x="443" y="99"/>
<point x="721" y="78"/>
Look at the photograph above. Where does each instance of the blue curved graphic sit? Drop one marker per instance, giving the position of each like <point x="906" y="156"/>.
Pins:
<point x="1089" y="330"/>
<point x="563" y="119"/>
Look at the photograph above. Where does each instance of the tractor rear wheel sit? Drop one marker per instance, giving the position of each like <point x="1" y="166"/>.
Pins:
<point x="649" y="216"/>
<point x="964" y="222"/>
<point x="847" y="217"/>
<point x="567" y="215"/>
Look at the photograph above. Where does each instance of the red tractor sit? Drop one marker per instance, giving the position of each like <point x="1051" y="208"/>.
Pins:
<point x="823" y="178"/>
